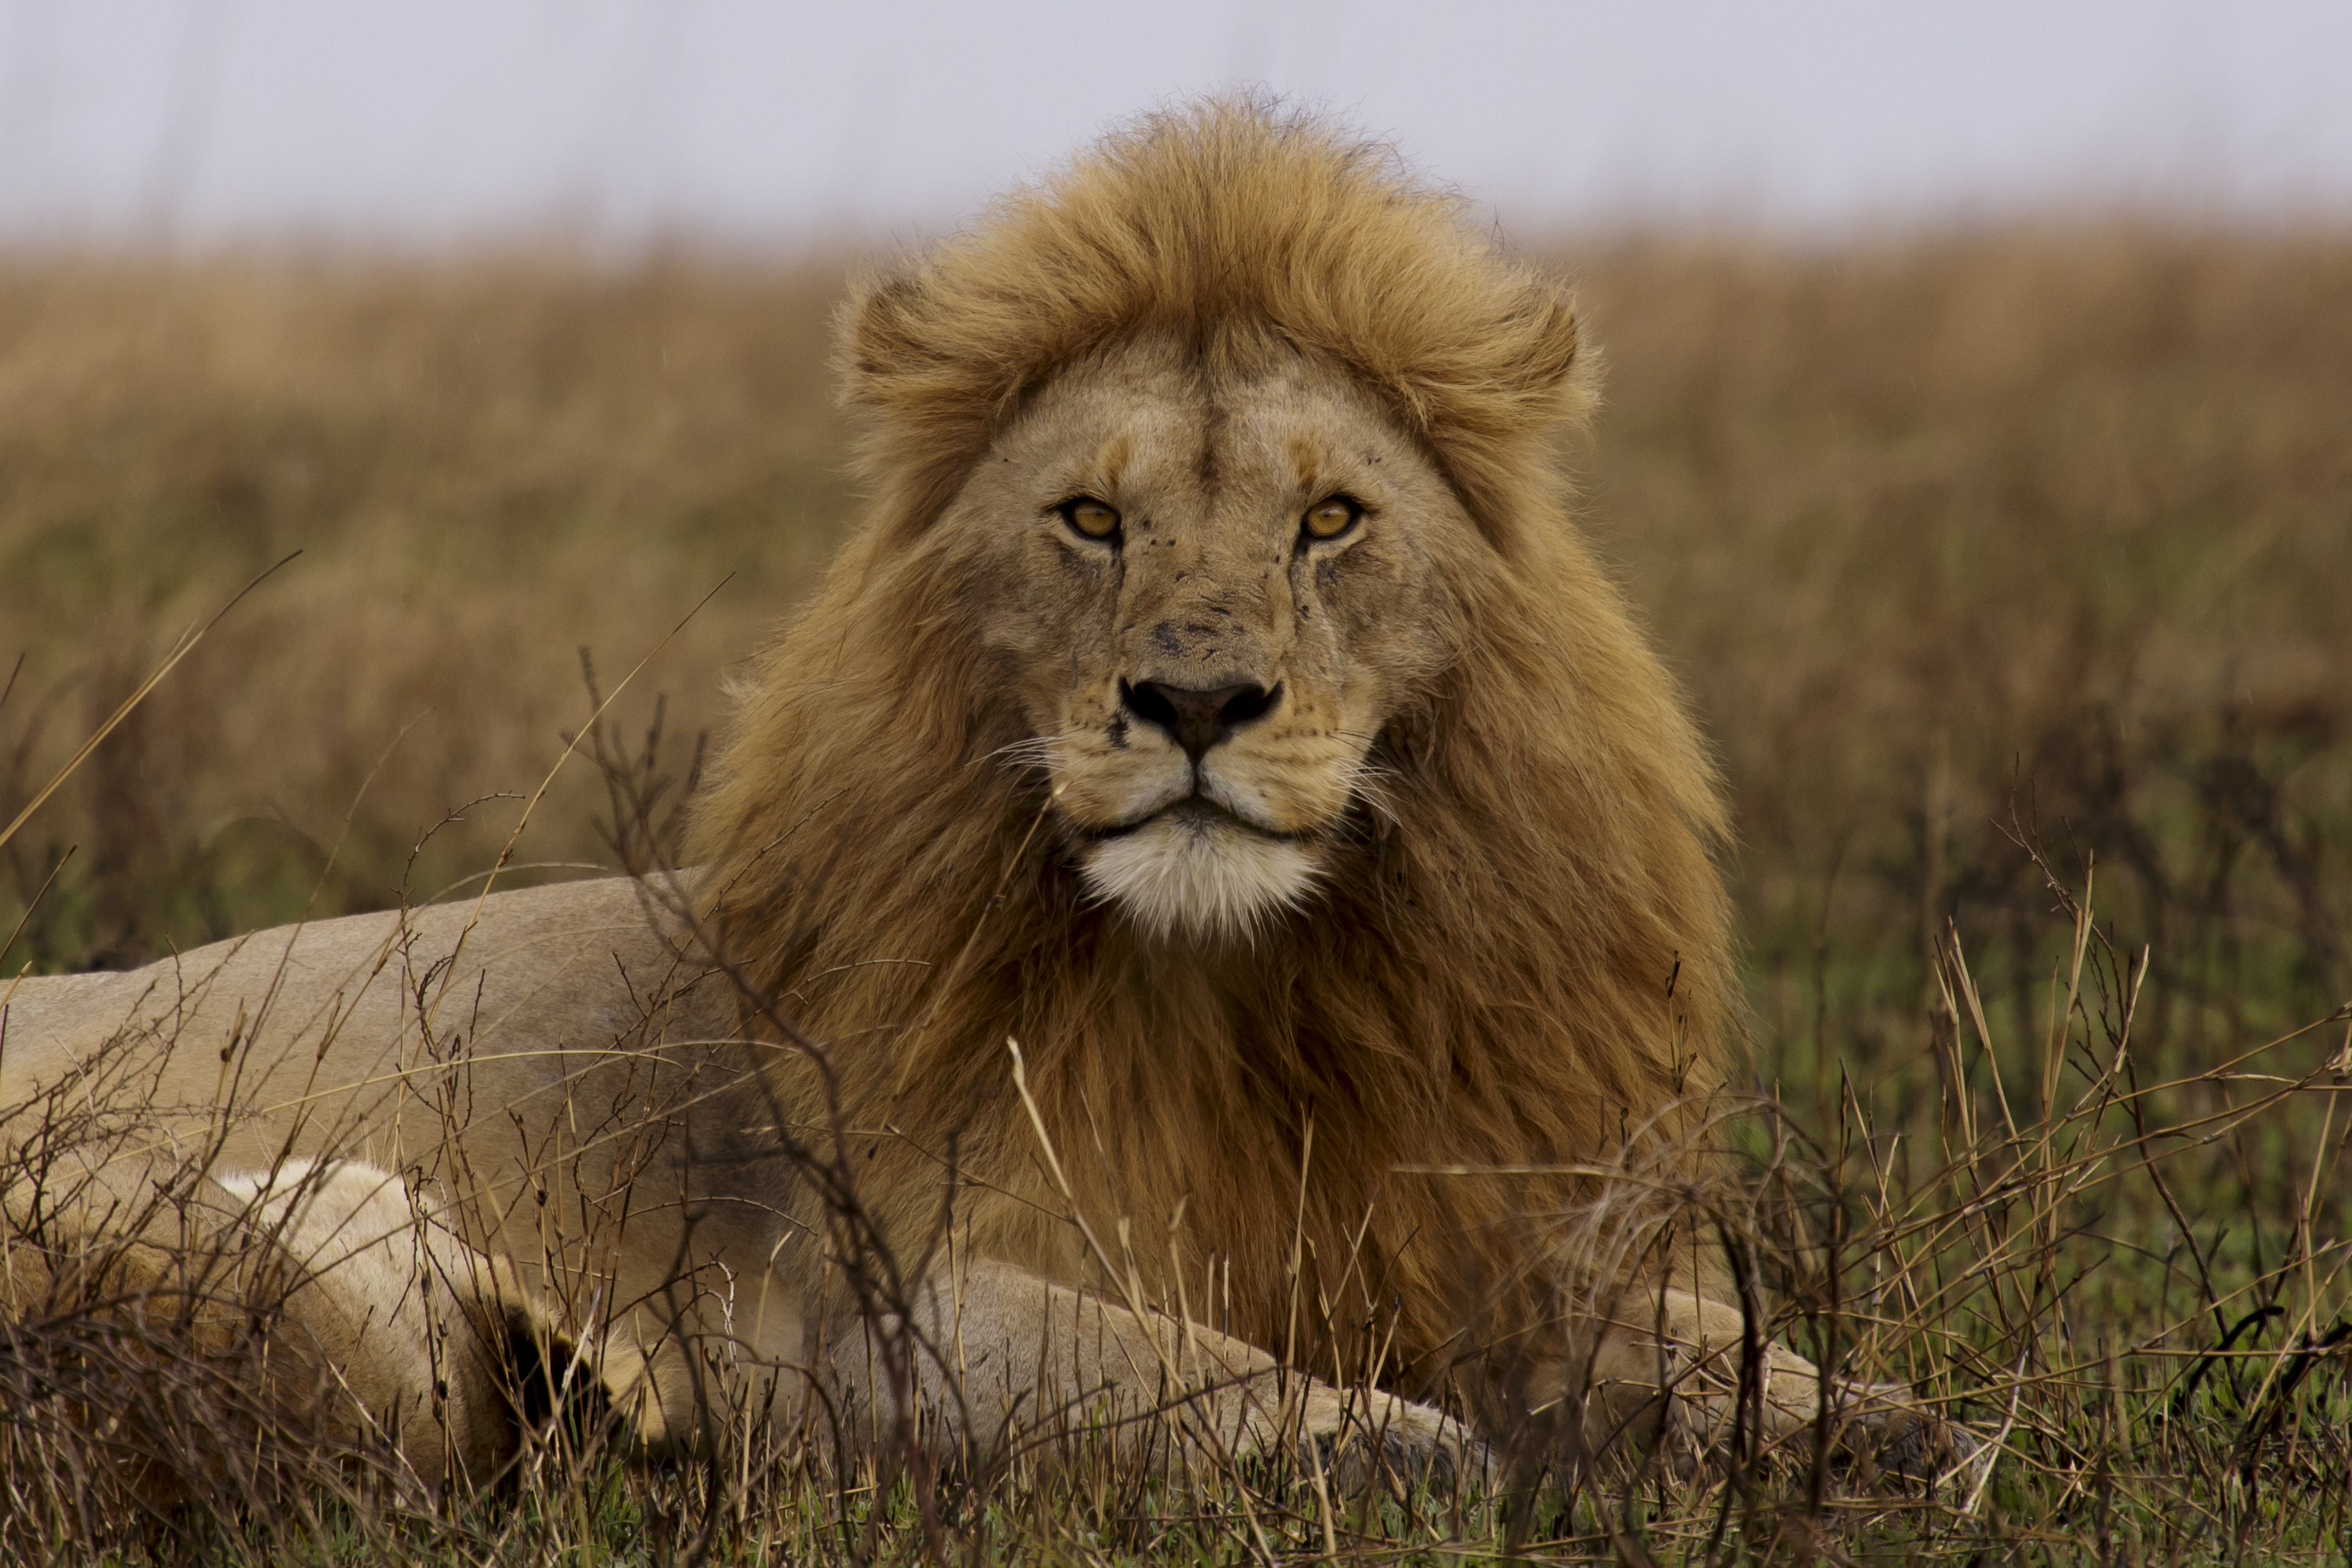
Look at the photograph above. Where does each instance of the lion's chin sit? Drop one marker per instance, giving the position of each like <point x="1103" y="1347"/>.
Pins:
<point x="1184" y="875"/>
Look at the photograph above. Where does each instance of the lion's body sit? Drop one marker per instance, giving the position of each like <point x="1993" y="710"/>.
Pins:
<point x="1345" y="883"/>
<point x="508" y="1080"/>
<point x="1518" y="956"/>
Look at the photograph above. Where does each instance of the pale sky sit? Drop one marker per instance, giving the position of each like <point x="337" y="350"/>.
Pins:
<point x="437" y="123"/>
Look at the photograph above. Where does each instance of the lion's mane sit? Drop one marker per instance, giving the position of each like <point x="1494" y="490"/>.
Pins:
<point x="1526" y="961"/>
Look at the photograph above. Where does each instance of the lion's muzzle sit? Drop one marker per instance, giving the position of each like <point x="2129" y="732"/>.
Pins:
<point x="1195" y="718"/>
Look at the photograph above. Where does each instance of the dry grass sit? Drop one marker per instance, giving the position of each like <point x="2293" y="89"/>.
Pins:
<point x="486" y="469"/>
<point x="2053" y="520"/>
<point x="1985" y="557"/>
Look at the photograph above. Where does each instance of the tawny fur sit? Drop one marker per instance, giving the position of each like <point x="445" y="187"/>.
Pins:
<point x="352" y="1321"/>
<point x="1458" y="935"/>
<point x="1524" y="960"/>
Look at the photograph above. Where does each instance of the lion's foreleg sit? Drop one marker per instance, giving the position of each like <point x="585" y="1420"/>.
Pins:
<point x="1006" y="1366"/>
<point x="1697" y="1374"/>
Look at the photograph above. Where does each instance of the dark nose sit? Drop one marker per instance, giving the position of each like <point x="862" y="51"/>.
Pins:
<point x="1194" y="719"/>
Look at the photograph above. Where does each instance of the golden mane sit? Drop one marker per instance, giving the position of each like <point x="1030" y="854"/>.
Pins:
<point x="1196" y="219"/>
<point x="1524" y="962"/>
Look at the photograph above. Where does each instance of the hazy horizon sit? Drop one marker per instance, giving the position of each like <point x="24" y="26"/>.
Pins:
<point x="201" y="123"/>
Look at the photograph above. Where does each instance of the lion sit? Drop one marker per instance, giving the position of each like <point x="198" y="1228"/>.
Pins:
<point x="1211" y="912"/>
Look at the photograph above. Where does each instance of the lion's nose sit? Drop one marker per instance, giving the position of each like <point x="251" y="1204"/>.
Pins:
<point x="1197" y="719"/>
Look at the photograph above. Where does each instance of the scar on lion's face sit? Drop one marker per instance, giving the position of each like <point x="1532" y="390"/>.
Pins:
<point x="1225" y="583"/>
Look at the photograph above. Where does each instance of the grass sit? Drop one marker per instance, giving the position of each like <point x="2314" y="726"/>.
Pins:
<point x="2007" y="569"/>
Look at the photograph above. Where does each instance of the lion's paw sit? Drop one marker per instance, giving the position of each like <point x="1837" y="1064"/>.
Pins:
<point x="1398" y="1446"/>
<point x="1889" y="1433"/>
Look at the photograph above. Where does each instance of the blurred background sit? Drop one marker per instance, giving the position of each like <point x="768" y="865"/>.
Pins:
<point x="1978" y="438"/>
<point x="443" y="124"/>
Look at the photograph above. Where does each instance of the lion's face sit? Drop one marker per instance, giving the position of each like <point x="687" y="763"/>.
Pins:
<point x="1210" y="590"/>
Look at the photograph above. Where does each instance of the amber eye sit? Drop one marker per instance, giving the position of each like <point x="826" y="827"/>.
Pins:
<point x="1090" y="517"/>
<point x="1330" y="518"/>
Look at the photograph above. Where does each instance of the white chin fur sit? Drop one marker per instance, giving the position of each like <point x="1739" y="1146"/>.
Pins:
<point x="1200" y="878"/>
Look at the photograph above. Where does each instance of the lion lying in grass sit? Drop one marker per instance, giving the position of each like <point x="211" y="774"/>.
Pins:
<point x="1214" y="889"/>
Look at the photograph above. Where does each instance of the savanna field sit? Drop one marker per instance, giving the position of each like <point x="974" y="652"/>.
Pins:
<point x="2010" y="571"/>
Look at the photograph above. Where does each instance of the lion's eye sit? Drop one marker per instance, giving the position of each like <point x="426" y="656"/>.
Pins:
<point x="1091" y="518"/>
<point x="1330" y="518"/>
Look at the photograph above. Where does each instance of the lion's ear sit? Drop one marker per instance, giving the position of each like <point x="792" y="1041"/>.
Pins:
<point x="878" y="336"/>
<point x="928" y="392"/>
<point x="1492" y="389"/>
<point x="1570" y="368"/>
<point x="1553" y="373"/>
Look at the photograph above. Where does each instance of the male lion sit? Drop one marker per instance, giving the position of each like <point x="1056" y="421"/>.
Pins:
<point x="1214" y="884"/>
